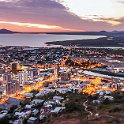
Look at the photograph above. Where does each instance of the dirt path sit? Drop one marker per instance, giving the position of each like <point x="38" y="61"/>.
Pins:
<point x="90" y="113"/>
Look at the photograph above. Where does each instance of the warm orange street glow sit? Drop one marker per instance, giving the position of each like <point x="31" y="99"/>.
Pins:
<point x="94" y="86"/>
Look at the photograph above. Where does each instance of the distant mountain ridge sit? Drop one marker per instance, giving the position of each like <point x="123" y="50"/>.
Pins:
<point x="5" y="31"/>
<point x="105" y="33"/>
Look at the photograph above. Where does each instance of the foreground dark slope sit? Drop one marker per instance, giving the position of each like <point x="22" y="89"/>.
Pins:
<point x="116" y="41"/>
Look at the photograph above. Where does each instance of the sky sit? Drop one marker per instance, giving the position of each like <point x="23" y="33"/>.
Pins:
<point x="61" y="15"/>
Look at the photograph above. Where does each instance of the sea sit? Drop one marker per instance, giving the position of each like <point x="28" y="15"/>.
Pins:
<point x="38" y="40"/>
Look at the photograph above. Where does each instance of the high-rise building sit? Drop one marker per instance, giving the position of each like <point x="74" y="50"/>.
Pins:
<point x="6" y="77"/>
<point x="32" y="72"/>
<point x="56" y="72"/>
<point x="23" y="77"/>
<point x="12" y="87"/>
<point x="14" y="68"/>
<point x="65" y="76"/>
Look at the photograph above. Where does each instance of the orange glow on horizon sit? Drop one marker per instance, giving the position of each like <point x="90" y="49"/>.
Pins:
<point x="22" y="24"/>
<point x="32" y="27"/>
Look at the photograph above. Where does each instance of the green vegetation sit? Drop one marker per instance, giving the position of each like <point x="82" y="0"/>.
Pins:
<point x="114" y="106"/>
<point x="115" y="42"/>
<point x="74" y="103"/>
<point x="4" y="121"/>
<point x="13" y="108"/>
<point x="34" y="92"/>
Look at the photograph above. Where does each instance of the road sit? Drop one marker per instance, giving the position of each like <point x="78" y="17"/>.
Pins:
<point x="90" y="113"/>
<point x="26" y="89"/>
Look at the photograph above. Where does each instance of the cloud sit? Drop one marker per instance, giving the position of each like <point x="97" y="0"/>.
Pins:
<point x="121" y="1"/>
<point x="100" y="18"/>
<point x="47" y="12"/>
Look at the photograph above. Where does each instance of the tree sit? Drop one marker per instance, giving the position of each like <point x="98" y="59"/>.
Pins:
<point x="106" y="101"/>
<point x="12" y="108"/>
<point x="34" y="92"/>
<point x="4" y="121"/>
<point x="72" y="106"/>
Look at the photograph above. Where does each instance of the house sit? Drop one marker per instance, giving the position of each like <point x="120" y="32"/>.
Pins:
<point x="122" y="89"/>
<point x="19" y="121"/>
<point x="35" y="112"/>
<point x="111" y="98"/>
<point x="2" y="115"/>
<point x="63" y="90"/>
<point x="57" y="110"/>
<point x="44" y="92"/>
<point x="107" y="92"/>
<point x="39" y="94"/>
<point x="29" y="95"/>
<point x="28" y="106"/>
<point x="48" y="106"/>
<point x="58" y="98"/>
<point x="32" y="120"/>
<point x="42" y="116"/>
<point x="75" y="89"/>
<point x="37" y="101"/>
<point x="20" y="114"/>
<point x="49" y="103"/>
<point x="96" y="101"/>
<point x="27" y="113"/>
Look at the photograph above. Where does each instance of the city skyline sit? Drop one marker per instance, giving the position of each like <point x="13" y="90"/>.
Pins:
<point x="61" y="15"/>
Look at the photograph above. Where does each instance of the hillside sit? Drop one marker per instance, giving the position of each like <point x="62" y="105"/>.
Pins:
<point x="5" y="31"/>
